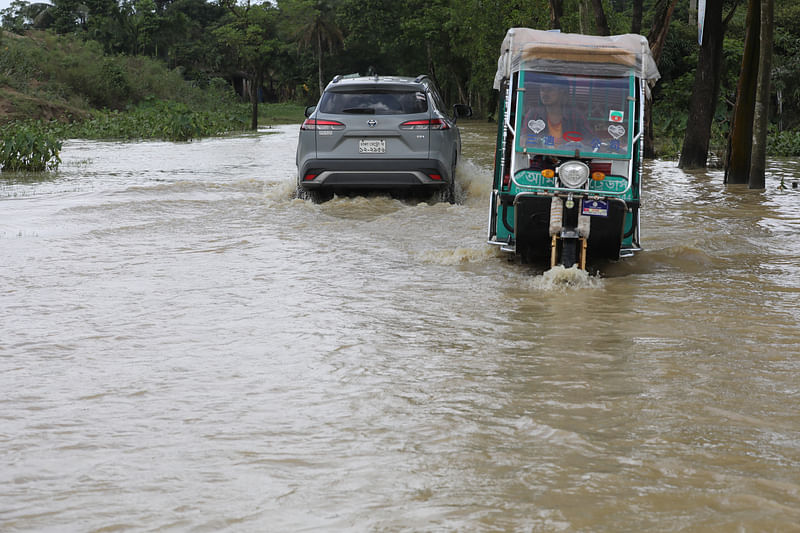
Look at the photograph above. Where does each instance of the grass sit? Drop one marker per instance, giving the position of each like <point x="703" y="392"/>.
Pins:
<point x="284" y="113"/>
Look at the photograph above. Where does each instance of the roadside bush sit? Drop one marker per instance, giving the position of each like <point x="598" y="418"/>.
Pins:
<point x="111" y="87"/>
<point x="19" y="63"/>
<point x="30" y="146"/>
<point x="783" y="143"/>
<point x="103" y="81"/>
<point x="151" y="79"/>
<point x="169" y="121"/>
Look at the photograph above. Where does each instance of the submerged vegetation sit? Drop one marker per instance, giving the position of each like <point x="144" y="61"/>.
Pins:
<point x="29" y="146"/>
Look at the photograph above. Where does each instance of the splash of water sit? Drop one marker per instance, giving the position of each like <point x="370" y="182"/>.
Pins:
<point x="473" y="182"/>
<point x="280" y="191"/>
<point x="458" y="256"/>
<point x="559" y="278"/>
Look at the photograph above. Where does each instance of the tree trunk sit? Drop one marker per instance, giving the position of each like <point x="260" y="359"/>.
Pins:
<point x="601" y="22"/>
<point x="737" y="165"/>
<point x="556" y="12"/>
<point x="761" y="115"/>
<point x="658" y="33"/>
<point x="636" y="18"/>
<point x="694" y="153"/>
<point x="256" y="86"/>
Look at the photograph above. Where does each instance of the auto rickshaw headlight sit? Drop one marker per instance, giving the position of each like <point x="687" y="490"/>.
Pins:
<point x="573" y="174"/>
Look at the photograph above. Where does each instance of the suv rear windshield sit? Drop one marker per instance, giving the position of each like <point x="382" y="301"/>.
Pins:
<point x="374" y="102"/>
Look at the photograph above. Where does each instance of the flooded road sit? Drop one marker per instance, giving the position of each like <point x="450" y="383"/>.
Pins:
<point x="186" y="347"/>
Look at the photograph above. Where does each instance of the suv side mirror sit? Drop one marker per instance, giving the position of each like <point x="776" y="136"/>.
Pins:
<point x="310" y="109"/>
<point x="462" y="111"/>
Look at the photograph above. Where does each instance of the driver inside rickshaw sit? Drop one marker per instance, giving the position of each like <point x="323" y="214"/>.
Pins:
<point x="551" y="120"/>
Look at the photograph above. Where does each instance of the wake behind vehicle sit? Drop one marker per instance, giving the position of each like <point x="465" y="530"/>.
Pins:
<point x="567" y="178"/>
<point x="379" y="133"/>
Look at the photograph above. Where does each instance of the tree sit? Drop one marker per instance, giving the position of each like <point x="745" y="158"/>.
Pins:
<point x="69" y="15"/>
<point x="21" y="15"/>
<point x="600" y="18"/>
<point x="556" y="12"/>
<point x="737" y="167"/>
<point x="656" y="38"/>
<point x="658" y="33"/>
<point x="786" y="64"/>
<point x="249" y="35"/>
<point x="183" y="37"/>
<point x="636" y="16"/>
<point x="16" y="17"/>
<point x="703" y="103"/>
<point x="761" y="111"/>
<point x="320" y="33"/>
<point x="141" y="23"/>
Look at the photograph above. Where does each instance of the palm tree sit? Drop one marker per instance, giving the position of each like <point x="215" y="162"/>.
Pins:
<point x="321" y="32"/>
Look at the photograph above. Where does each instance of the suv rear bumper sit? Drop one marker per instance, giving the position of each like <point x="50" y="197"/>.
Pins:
<point x="373" y="174"/>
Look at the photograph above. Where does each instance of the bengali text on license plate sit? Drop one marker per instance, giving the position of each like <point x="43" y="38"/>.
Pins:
<point x="372" y="146"/>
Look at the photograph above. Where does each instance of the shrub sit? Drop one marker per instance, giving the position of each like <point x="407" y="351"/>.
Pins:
<point x="19" y="63"/>
<point x="170" y="121"/>
<point x="783" y="143"/>
<point x="30" y="146"/>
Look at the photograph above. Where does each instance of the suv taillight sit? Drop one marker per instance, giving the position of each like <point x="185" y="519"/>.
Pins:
<point x="432" y="124"/>
<point x="316" y="124"/>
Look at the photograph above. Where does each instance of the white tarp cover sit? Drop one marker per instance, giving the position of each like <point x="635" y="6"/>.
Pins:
<point x="558" y="53"/>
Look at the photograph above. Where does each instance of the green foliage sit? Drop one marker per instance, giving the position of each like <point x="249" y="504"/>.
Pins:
<point x="104" y="81"/>
<point x="110" y="54"/>
<point x="19" y="63"/>
<point x="17" y="17"/>
<point x="783" y="143"/>
<point x="166" y="120"/>
<point x="786" y="63"/>
<point x="29" y="146"/>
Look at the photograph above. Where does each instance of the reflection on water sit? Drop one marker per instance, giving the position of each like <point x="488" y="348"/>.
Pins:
<point x="184" y="345"/>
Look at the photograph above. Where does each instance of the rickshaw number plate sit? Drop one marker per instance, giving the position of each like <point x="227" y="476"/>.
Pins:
<point x="594" y="208"/>
<point x="372" y="146"/>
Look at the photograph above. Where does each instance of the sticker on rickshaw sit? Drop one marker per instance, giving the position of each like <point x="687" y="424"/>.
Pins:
<point x="616" y="131"/>
<point x="536" y="126"/>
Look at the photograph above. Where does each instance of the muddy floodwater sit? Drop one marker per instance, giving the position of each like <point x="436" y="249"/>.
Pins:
<point x="184" y="346"/>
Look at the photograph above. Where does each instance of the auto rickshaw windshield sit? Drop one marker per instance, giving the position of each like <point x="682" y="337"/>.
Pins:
<point x="559" y="114"/>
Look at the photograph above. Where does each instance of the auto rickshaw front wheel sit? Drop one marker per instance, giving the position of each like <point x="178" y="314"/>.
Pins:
<point x="569" y="252"/>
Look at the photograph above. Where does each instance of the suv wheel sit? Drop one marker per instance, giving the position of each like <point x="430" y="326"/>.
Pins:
<point x="448" y="193"/>
<point x="320" y="196"/>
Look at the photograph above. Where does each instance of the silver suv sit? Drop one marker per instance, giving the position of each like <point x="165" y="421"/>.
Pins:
<point x="379" y="133"/>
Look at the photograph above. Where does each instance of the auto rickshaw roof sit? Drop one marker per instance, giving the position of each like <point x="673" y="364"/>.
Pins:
<point x="572" y="53"/>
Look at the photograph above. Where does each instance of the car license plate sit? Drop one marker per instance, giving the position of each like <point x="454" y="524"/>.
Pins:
<point x="594" y="208"/>
<point x="372" y="146"/>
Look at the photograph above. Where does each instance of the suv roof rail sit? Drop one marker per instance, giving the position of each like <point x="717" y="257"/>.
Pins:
<point x="420" y="78"/>
<point x="340" y="77"/>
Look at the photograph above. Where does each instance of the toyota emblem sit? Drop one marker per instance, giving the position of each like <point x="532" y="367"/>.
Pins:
<point x="372" y="123"/>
